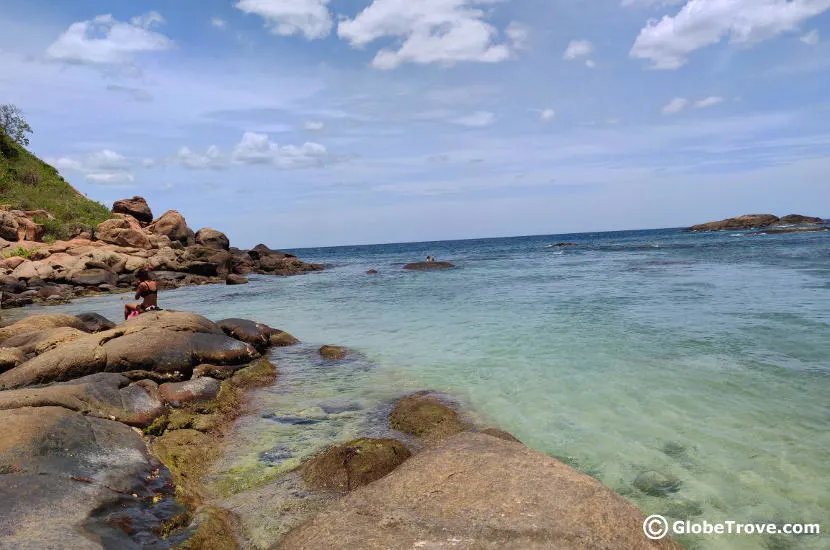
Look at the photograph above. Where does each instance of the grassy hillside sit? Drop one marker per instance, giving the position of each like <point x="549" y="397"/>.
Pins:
<point x="28" y="183"/>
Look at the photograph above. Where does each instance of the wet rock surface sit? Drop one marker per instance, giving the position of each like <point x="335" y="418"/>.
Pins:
<point x="423" y="414"/>
<point x="333" y="353"/>
<point x="354" y="464"/>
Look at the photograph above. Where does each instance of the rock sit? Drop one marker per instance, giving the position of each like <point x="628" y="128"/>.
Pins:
<point x="12" y="262"/>
<point x="212" y="238"/>
<point x="94" y="277"/>
<point x="429" y="265"/>
<point x="71" y="480"/>
<point x="476" y="491"/>
<point x="656" y="484"/>
<point x="353" y="464"/>
<point x="40" y="341"/>
<point x="749" y="221"/>
<point x="220" y="372"/>
<point x="333" y="353"/>
<point x="564" y="245"/>
<point x="104" y="395"/>
<point x="372" y="272"/>
<point x="136" y="207"/>
<point x="234" y="279"/>
<point x="119" y="231"/>
<point x="198" y="389"/>
<point x="280" y="338"/>
<point x="501" y="434"/>
<point x="256" y="334"/>
<point x="164" y="342"/>
<point x="15" y="300"/>
<point x="797" y="219"/>
<point x="11" y="284"/>
<point x="423" y="414"/>
<point x="173" y="225"/>
<point x="10" y="358"/>
<point x="15" y="226"/>
<point x="40" y="322"/>
<point x="33" y="270"/>
<point x="95" y="322"/>
<point x="260" y="251"/>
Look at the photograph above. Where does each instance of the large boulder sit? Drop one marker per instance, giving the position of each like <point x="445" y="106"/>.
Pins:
<point x="749" y="221"/>
<point x="93" y="277"/>
<point x="353" y="464"/>
<point x="477" y="491"/>
<point x="173" y="225"/>
<point x="104" y="395"/>
<point x="40" y="341"/>
<point x="40" y="322"/>
<point x="121" y="232"/>
<point x="33" y="270"/>
<point x="198" y="389"/>
<point x="423" y="414"/>
<point x="212" y="238"/>
<point x="16" y="226"/>
<point x="95" y="322"/>
<point x="136" y="207"/>
<point x="75" y="481"/>
<point x="10" y="358"/>
<point x="332" y="353"/>
<point x="257" y="334"/>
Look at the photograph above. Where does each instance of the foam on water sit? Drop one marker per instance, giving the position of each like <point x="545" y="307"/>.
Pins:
<point x="695" y="355"/>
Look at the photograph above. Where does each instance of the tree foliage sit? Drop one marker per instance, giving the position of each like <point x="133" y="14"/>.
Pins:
<point x="13" y="124"/>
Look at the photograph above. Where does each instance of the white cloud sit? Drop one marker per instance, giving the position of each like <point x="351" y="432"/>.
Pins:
<point x="811" y="38"/>
<point x="107" y="41"/>
<point x="256" y="148"/>
<point x="211" y="159"/>
<point x="314" y="126"/>
<point x="577" y="49"/>
<point x="590" y="63"/>
<point x="708" y="102"/>
<point x="547" y="115"/>
<point x="478" y="119"/>
<point x="675" y="106"/>
<point x="311" y="18"/>
<point x="105" y="166"/>
<point x="668" y="42"/>
<point x="218" y="22"/>
<point x="433" y="31"/>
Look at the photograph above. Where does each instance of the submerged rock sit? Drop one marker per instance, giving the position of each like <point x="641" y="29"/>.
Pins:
<point x="423" y="414"/>
<point x="501" y="434"/>
<point x="477" y="491"/>
<point x="333" y="353"/>
<point x="429" y="265"/>
<point x="656" y="484"/>
<point x="372" y="272"/>
<point x="353" y="464"/>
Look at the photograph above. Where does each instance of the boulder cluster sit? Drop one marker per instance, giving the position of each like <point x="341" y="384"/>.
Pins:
<point x="761" y="221"/>
<point x="32" y="270"/>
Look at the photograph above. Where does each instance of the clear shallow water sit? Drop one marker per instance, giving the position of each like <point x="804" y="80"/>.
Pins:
<point x="701" y="356"/>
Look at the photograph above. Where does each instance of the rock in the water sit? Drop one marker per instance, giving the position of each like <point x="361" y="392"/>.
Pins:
<point x="234" y="279"/>
<point x="749" y="221"/>
<point x="10" y="358"/>
<point x="257" y="334"/>
<point x="353" y="464"/>
<point x="656" y="484"/>
<point x="333" y="353"/>
<point x="476" y="491"/>
<point x="372" y="272"/>
<point x="798" y="219"/>
<point x="501" y="434"/>
<point x="136" y="207"/>
<point x="280" y="338"/>
<point x="173" y="225"/>
<point x="198" y="389"/>
<point x="41" y="322"/>
<point x="212" y="238"/>
<point x="70" y="481"/>
<point x="96" y="322"/>
<point x="429" y="265"/>
<point x="423" y="414"/>
<point x="105" y="395"/>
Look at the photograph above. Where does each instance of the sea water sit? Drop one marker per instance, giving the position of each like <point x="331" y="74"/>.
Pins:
<point x="704" y="357"/>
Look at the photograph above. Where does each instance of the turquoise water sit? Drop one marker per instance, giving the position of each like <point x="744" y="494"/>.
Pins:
<point x="701" y="356"/>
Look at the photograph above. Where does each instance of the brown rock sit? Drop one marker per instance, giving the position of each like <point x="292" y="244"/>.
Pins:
<point x="10" y="358"/>
<point x="40" y="322"/>
<point x="173" y="225"/>
<point x="234" y="279"/>
<point x="353" y="464"/>
<point x="424" y="414"/>
<point x="333" y="353"/>
<point x="749" y="221"/>
<point x="372" y="272"/>
<point x="136" y="207"/>
<point x="280" y="338"/>
<point x="198" y="389"/>
<point x="12" y="262"/>
<point x="422" y="266"/>
<point x="479" y="492"/>
<point x="119" y="231"/>
<point x="501" y="434"/>
<point x="797" y="219"/>
<point x="251" y="332"/>
<point x="33" y="270"/>
<point x="40" y="341"/>
<point x="212" y="238"/>
<point x="95" y="322"/>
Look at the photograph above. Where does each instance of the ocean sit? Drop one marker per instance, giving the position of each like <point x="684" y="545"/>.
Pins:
<point x="704" y="357"/>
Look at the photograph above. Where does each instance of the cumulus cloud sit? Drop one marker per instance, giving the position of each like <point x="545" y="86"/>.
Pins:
<point x="256" y="148"/>
<point x="478" y="119"/>
<point x="211" y="159"/>
<point x="668" y="42"/>
<point x="105" y="166"/>
<point x="432" y="31"/>
<point x="107" y="41"/>
<point x="578" y="49"/>
<point x="811" y="38"/>
<point x="314" y="125"/>
<point x="547" y="115"/>
<point x="680" y="103"/>
<point x="708" y="102"/>
<point x="218" y="22"/>
<point x="310" y="18"/>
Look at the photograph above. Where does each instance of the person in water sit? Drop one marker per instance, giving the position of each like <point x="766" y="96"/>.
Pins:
<point x="429" y="259"/>
<point x="147" y="291"/>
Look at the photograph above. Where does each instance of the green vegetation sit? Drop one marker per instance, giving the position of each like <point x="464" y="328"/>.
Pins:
<point x="28" y="183"/>
<point x="20" y="251"/>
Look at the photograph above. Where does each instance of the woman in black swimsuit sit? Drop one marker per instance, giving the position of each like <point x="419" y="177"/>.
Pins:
<point x="147" y="290"/>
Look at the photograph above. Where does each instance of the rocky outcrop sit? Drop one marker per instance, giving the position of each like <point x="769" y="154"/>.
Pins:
<point x="423" y="266"/>
<point x="212" y="238"/>
<point x="136" y="207"/>
<point x="123" y="232"/>
<point x="354" y="464"/>
<point x="257" y="334"/>
<point x="477" y="491"/>
<point x="172" y="225"/>
<point x="15" y="225"/>
<point x="755" y="221"/>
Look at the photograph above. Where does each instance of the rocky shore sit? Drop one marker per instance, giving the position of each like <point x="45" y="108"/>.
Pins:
<point x="762" y="221"/>
<point x="110" y="429"/>
<point x="106" y="259"/>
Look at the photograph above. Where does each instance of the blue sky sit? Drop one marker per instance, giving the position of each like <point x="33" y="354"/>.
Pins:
<point x="314" y="122"/>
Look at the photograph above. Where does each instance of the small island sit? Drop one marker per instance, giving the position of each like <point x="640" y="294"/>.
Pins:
<point x="763" y="221"/>
<point x="429" y="265"/>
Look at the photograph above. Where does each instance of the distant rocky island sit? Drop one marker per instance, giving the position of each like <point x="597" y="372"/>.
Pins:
<point x="764" y="221"/>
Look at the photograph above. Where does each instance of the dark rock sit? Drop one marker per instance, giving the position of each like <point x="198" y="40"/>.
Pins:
<point x="261" y="250"/>
<point x="251" y="332"/>
<point x="656" y="484"/>
<point x="94" y="277"/>
<point x="372" y="272"/>
<point x="564" y="245"/>
<point x="198" y="389"/>
<point x="353" y="464"/>
<point x="95" y="322"/>
<point x="477" y="491"/>
<point x="234" y="279"/>
<point x="333" y="353"/>
<point x="797" y="219"/>
<point x="429" y="265"/>
<point x="220" y="372"/>
<point x="212" y="238"/>
<point x="15" y="300"/>
<point x="136" y="207"/>
<point x="424" y="414"/>
<point x="749" y="221"/>
<point x="781" y="230"/>
<point x="280" y="338"/>
<point x="168" y="275"/>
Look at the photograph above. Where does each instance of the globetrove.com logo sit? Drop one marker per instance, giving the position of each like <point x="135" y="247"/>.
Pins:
<point x="656" y="527"/>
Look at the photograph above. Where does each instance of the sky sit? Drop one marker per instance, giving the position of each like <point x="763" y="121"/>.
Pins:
<point x="325" y="122"/>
